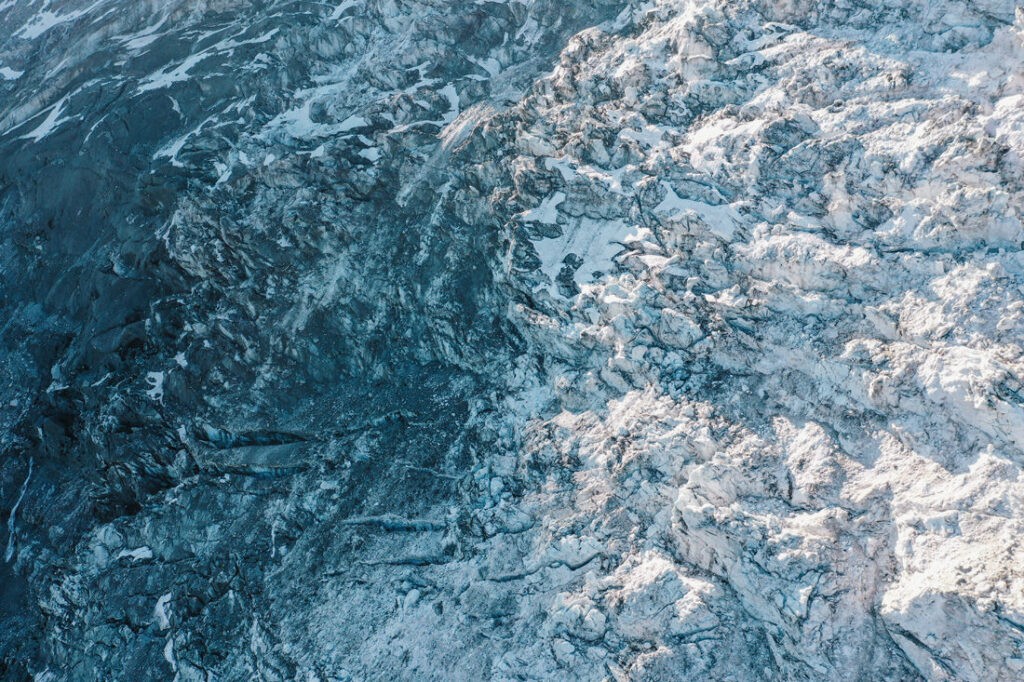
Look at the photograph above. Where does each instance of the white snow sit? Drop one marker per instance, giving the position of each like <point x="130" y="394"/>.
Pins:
<point x="563" y="167"/>
<point x="46" y="19"/>
<point x="137" y="554"/>
<point x="489" y="64"/>
<point x="156" y="383"/>
<point x="145" y="37"/>
<point x="160" y="611"/>
<point x="452" y="95"/>
<point x="857" y="477"/>
<point x="50" y="123"/>
<point x="351" y="123"/>
<point x="461" y="127"/>
<point x="169" y="654"/>
<point x="41" y="23"/>
<point x="171" y="149"/>
<point x="371" y="154"/>
<point x="298" y="124"/>
<point x="721" y="220"/>
<point x="167" y="77"/>
<point x="163" y="79"/>
<point x="596" y="242"/>
<point x="547" y="212"/>
<point x="12" y="518"/>
<point x="342" y="8"/>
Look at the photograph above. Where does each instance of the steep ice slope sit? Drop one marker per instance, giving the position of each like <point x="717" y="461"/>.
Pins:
<point x="512" y="340"/>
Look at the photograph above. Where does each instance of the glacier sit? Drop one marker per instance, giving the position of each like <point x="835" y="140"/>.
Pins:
<point x="512" y="340"/>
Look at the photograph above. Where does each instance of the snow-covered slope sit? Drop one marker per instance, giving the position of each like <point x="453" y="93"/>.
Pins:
<point x="673" y="340"/>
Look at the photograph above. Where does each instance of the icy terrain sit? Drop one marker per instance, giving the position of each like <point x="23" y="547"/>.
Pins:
<point x="512" y="340"/>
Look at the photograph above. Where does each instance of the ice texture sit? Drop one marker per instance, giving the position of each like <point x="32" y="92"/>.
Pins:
<point x="512" y="340"/>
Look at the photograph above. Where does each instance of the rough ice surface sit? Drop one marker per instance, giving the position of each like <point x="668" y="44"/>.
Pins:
<point x="512" y="340"/>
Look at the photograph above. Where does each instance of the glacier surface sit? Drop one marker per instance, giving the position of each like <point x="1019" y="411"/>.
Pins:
<point x="512" y="340"/>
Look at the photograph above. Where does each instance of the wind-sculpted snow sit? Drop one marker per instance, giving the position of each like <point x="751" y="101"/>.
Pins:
<point x="675" y="340"/>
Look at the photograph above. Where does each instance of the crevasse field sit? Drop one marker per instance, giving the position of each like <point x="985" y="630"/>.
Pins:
<point x="512" y="340"/>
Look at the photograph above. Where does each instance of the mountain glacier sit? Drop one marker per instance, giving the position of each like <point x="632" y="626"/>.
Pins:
<point x="512" y="340"/>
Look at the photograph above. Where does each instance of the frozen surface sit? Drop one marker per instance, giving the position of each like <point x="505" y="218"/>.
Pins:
<point x="526" y="340"/>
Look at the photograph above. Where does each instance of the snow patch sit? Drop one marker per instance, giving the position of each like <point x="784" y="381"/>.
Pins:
<point x="160" y="612"/>
<point x="50" y="123"/>
<point x="156" y="383"/>
<point x="45" y="20"/>
<point x="547" y="212"/>
<point x="722" y="220"/>
<point x="137" y="554"/>
<point x="342" y="8"/>
<point x="12" y="518"/>
<point x="594" y="242"/>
